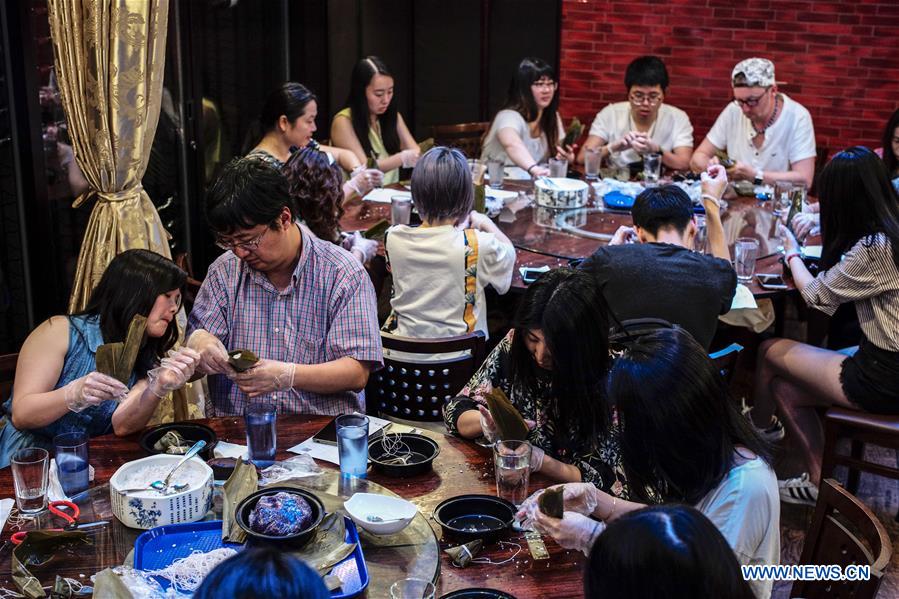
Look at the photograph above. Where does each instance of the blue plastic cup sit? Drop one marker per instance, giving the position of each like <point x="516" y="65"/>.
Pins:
<point x="262" y="435"/>
<point x="72" y="461"/>
<point x="352" y="445"/>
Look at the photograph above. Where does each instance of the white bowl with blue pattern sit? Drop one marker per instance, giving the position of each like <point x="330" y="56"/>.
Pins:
<point x="147" y="509"/>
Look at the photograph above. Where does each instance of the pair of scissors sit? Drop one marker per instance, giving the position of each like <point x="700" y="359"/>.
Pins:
<point x="56" y="508"/>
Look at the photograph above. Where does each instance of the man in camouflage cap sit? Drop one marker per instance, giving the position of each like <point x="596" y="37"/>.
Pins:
<point x="767" y="135"/>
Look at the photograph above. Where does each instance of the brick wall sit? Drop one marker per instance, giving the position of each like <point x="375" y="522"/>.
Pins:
<point x="839" y="58"/>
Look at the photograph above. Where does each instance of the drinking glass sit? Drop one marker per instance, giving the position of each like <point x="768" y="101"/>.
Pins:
<point x="700" y="242"/>
<point x="71" y="461"/>
<point x="352" y="444"/>
<point x="592" y="160"/>
<point x="30" y="476"/>
<point x="782" y="197"/>
<point x="558" y="167"/>
<point x="652" y="168"/>
<point x="495" y="172"/>
<point x="262" y="435"/>
<point x="412" y="588"/>
<point x="400" y="210"/>
<point x="746" y="250"/>
<point x="512" y="460"/>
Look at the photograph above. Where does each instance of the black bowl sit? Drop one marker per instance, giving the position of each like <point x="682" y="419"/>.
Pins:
<point x="469" y="517"/>
<point x="478" y="594"/>
<point x="294" y="541"/>
<point x="191" y="431"/>
<point x="423" y="449"/>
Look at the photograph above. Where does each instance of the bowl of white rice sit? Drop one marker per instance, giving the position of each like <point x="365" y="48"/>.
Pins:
<point x="148" y="508"/>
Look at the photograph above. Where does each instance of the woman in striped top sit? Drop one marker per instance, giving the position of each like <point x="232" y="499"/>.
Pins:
<point x="860" y="264"/>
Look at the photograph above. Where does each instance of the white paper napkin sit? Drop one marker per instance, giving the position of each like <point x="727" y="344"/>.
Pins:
<point x="383" y="194"/>
<point x="223" y="449"/>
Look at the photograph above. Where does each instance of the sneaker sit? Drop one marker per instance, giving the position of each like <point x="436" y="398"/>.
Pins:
<point x="773" y="433"/>
<point x="798" y="490"/>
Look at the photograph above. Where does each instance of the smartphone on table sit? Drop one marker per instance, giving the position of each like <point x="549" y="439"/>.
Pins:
<point x="772" y="282"/>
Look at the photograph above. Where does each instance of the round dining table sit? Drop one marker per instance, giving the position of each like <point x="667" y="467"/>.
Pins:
<point x="554" y="238"/>
<point x="462" y="467"/>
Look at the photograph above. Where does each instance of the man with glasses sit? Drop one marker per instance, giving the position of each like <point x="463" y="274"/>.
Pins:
<point x="644" y="124"/>
<point x="305" y="307"/>
<point x="768" y="136"/>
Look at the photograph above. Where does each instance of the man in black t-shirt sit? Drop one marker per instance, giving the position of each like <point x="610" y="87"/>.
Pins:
<point x="649" y="271"/>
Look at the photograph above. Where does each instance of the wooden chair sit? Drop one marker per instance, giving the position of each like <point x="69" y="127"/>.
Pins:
<point x="465" y="136"/>
<point x="726" y="360"/>
<point x="830" y="541"/>
<point x="7" y="374"/>
<point x="192" y="287"/>
<point x="860" y="428"/>
<point x="417" y="391"/>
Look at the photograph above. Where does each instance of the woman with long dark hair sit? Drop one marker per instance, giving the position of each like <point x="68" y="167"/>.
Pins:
<point x="286" y="124"/>
<point x="370" y="126"/>
<point x="859" y="264"/>
<point x="670" y="551"/>
<point x="57" y="388"/>
<point x="683" y="440"/>
<point x="552" y="367"/>
<point x="528" y="129"/>
<point x="314" y="182"/>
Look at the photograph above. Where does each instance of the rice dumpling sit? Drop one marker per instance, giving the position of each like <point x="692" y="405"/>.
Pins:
<point x="242" y="359"/>
<point x="463" y="554"/>
<point x="117" y="359"/>
<point x="552" y="503"/>
<point x="573" y="133"/>
<point x="509" y="423"/>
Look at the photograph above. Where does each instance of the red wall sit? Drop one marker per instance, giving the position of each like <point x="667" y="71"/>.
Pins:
<point x="838" y="58"/>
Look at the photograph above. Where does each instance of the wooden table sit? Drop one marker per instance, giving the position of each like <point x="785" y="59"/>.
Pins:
<point x="540" y="243"/>
<point x="462" y="467"/>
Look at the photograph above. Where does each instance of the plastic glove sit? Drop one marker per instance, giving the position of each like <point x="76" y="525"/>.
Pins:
<point x="93" y="389"/>
<point x="624" y="235"/>
<point x="803" y="223"/>
<point x="714" y="182"/>
<point x="539" y="171"/>
<point x="791" y="246"/>
<point x="487" y="425"/>
<point x="409" y="157"/>
<point x="479" y="221"/>
<point x="573" y="531"/>
<point x="363" y="180"/>
<point x="173" y="371"/>
<point x="213" y="355"/>
<point x="643" y="144"/>
<point x="266" y="376"/>
<point x="362" y="248"/>
<point x="537" y="455"/>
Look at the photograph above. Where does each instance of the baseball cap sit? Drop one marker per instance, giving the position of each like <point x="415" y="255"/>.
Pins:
<point x="753" y="72"/>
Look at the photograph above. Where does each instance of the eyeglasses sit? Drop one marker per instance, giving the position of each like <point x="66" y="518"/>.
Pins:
<point x="247" y="246"/>
<point x="638" y="98"/>
<point x="545" y="84"/>
<point x="751" y="101"/>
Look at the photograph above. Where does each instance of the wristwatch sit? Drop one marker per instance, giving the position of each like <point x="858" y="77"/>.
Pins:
<point x="759" y="177"/>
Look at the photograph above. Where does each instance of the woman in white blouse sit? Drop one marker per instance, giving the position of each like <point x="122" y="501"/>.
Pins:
<point x="860" y="264"/>
<point x="528" y="128"/>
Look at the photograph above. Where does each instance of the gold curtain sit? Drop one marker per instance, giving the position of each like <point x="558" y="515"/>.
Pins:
<point x="110" y="57"/>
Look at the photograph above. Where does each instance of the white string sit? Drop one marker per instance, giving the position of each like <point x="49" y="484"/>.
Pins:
<point x="188" y="572"/>
<point x="395" y="449"/>
<point x="487" y="560"/>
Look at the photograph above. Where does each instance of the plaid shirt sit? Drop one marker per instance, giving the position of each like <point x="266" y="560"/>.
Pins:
<point x="326" y="313"/>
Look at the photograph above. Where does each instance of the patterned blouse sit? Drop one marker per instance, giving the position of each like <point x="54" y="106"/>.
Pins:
<point x="599" y="463"/>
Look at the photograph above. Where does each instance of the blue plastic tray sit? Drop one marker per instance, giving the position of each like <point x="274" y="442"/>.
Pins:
<point x="161" y="546"/>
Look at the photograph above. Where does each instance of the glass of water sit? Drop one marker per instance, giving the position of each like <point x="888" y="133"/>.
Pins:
<point x="592" y="161"/>
<point x="30" y="473"/>
<point x="746" y="251"/>
<point x="496" y="173"/>
<point x="652" y="168"/>
<point x="558" y="167"/>
<point x="400" y="210"/>
<point x="262" y="435"/>
<point x="352" y="444"/>
<point x="72" y="461"/>
<point x="512" y="460"/>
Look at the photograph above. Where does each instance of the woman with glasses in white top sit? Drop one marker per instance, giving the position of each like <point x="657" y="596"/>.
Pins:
<point x="625" y="131"/>
<point x="528" y="128"/>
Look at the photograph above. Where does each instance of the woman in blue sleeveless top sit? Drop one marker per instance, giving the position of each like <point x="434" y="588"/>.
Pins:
<point x="57" y="388"/>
